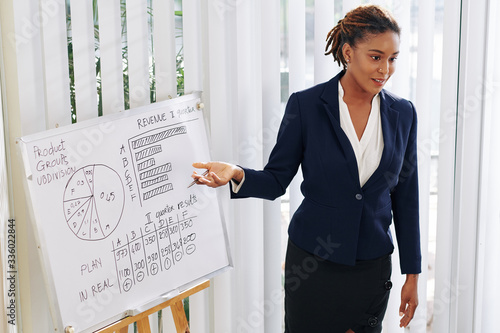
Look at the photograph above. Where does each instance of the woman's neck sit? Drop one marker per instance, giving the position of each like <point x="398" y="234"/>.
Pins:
<point x="353" y="92"/>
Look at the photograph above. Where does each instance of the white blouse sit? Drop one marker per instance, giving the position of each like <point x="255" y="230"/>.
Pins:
<point x="369" y="149"/>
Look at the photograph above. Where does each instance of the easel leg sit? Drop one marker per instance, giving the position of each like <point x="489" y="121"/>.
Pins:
<point x="143" y="325"/>
<point x="142" y="320"/>
<point x="180" y="320"/>
<point x="123" y="330"/>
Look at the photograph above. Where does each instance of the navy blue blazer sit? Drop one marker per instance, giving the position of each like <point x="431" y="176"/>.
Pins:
<point x="338" y="219"/>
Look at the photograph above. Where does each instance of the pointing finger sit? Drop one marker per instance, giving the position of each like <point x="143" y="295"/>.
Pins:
<point x="201" y="165"/>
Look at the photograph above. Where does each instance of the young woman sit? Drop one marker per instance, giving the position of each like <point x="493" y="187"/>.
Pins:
<point x="356" y="144"/>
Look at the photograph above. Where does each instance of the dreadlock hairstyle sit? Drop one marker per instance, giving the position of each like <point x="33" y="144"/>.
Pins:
<point x="357" y="24"/>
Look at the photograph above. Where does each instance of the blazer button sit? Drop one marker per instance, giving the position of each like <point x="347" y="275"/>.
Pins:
<point x="373" y="321"/>
<point x="388" y="285"/>
<point x="359" y="196"/>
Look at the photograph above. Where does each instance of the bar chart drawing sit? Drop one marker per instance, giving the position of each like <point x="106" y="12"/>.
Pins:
<point x="151" y="168"/>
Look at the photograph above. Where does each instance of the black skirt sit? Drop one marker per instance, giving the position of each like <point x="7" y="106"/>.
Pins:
<point x="325" y="297"/>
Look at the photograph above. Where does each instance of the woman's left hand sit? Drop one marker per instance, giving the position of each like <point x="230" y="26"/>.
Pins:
<point x="409" y="299"/>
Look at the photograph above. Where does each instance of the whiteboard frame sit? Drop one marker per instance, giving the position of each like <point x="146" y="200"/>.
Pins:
<point x="54" y="306"/>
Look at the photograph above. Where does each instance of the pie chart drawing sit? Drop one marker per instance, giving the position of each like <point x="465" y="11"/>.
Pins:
<point x="93" y="202"/>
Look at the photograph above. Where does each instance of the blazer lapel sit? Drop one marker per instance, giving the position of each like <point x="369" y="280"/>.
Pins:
<point x="331" y="98"/>
<point x="389" y="118"/>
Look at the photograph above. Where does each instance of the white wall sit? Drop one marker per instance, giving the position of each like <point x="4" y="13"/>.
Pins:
<point x="489" y="246"/>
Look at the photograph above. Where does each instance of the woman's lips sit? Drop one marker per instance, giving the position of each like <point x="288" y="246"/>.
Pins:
<point x="379" y="82"/>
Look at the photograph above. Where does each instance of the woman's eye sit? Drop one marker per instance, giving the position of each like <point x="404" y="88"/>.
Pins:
<point x="376" y="58"/>
<point x="394" y="59"/>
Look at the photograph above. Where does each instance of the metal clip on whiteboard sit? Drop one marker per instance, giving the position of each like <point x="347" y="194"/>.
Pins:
<point x="200" y="106"/>
<point x="69" y="329"/>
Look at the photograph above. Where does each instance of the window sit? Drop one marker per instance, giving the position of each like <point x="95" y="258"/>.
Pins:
<point x="421" y="22"/>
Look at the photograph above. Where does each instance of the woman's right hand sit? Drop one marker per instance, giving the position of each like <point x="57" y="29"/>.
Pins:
<point x="219" y="173"/>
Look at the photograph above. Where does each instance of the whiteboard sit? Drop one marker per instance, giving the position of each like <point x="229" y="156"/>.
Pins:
<point x="116" y="223"/>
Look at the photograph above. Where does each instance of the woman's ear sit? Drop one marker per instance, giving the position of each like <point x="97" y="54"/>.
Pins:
<point x="347" y="52"/>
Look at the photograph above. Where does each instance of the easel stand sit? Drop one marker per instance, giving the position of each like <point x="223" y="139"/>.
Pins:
<point x="175" y="303"/>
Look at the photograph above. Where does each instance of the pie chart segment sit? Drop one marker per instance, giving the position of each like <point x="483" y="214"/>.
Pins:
<point x="72" y="206"/>
<point x="77" y="187"/>
<point x="109" y="198"/>
<point x="96" y="231"/>
<point x="93" y="204"/>
<point x="77" y="221"/>
<point x="89" y="176"/>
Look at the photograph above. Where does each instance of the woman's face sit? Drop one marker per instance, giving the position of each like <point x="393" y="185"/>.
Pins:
<point x="372" y="61"/>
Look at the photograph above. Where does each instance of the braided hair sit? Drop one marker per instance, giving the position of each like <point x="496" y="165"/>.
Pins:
<point x="357" y="24"/>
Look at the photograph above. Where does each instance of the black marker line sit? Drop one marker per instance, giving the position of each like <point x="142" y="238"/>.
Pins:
<point x="144" y="247"/>
<point x="116" y="266"/>
<point x="131" y="263"/>
<point x="158" y="247"/>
